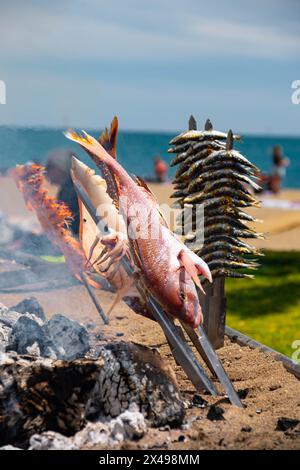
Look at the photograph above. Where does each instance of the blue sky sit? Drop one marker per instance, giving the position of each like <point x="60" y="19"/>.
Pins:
<point x="77" y="63"/>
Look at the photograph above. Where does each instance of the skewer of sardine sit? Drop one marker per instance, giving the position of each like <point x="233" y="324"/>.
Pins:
<point x="231" y="175"/>
<point x="201" y="135"/>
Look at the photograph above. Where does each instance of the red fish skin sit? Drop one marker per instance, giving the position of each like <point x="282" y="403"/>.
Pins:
<point x="155" y="246"/>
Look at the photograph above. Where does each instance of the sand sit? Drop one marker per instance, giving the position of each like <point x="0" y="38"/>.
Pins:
<point x="271" y="392"/>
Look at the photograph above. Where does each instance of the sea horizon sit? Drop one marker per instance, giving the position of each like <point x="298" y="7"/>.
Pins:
<point x="137" y="148"/>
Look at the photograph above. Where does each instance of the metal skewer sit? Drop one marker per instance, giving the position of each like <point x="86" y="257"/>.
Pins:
<point x="94" y="299"/>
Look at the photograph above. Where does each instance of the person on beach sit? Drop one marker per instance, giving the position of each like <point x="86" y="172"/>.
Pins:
<point x="280" y="163"/>
<point x="160" y="170"/>
<point x="58" y="168"/>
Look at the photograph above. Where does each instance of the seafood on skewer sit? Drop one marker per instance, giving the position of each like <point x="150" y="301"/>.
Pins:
<point x="104" y="252"/>
<point x="215" y="182"/>
<point x="167" y="269"/>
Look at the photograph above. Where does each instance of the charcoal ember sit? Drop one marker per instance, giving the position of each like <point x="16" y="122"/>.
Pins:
<point x="198" y="401"/>
<point x="38" y="395"/>
<point x="9" y="317"/>
<point x="28" y="337"/>
<point x="30" y="305"/>
<point x="130" y="376"/>
<point x="215" y="413"/>
<point x="284" y="424"/>
<point x="69" y="338"/>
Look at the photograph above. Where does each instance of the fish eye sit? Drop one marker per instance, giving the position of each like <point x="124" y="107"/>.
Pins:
<point x="182" y="295"/>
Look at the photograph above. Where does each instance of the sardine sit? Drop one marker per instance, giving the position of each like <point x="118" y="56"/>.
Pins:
<point x="180" y="148"/>
<point x="212" y="144"/>
<point x="224" y="229"/>
<point x="210" y="175"/>
<point x="230" y="211"/>
<point x="220" y="245"/>
<point x="220" y="272"/>
<point x="180" y="157"/>
<point x="232" y="165"/>
<point x="231" y="155"/>
<point x="216" y="264"/>
<point x="202" y="196"/>
<point x="181" y="193"/>
<point x="228" y="239"/>
<point x="224" y="255"/>
<point x="200" y="135"/>
<point x="207" y="164"/>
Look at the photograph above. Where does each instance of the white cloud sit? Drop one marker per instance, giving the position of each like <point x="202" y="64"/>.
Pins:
<point x="79" y="33"/>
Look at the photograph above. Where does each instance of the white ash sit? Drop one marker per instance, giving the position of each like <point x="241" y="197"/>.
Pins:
<point x="27" y="333"/>
<point x="128" y="425"/>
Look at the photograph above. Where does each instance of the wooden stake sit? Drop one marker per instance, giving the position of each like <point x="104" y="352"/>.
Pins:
<point x="213" y="304"/>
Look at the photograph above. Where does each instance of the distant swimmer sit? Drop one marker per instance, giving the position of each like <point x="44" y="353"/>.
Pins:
<point x="160" y="170"/>
<point x="278" y="172"/>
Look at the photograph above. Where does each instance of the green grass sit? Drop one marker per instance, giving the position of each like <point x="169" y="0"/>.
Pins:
<point x="268" y="307"/>
<point x="53" y="259"/>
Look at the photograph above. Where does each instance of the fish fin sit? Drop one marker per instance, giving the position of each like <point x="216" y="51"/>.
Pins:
<point x="141" y="182"/>
<point x="194" y="266"/>
<point x="108" y="139"/>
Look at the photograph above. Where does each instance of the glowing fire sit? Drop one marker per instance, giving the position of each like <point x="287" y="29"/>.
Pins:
<point x="53" y="215"/>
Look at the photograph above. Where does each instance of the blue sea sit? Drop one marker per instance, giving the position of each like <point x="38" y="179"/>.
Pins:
<point x="136" y="150"/>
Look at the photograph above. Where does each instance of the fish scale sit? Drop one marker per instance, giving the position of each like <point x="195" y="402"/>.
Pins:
<point x="211" y="173"/>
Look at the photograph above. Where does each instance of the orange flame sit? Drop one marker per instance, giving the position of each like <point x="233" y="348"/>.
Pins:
<point x="53" y="215"/>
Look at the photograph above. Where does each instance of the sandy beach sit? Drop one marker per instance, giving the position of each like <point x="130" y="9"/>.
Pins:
<point x="280" y="226"/>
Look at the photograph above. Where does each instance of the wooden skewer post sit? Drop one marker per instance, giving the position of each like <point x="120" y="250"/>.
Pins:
<point x="213" y="304"/>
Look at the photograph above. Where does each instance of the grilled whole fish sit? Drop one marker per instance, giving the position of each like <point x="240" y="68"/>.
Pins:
<point x="167" y="268"/>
